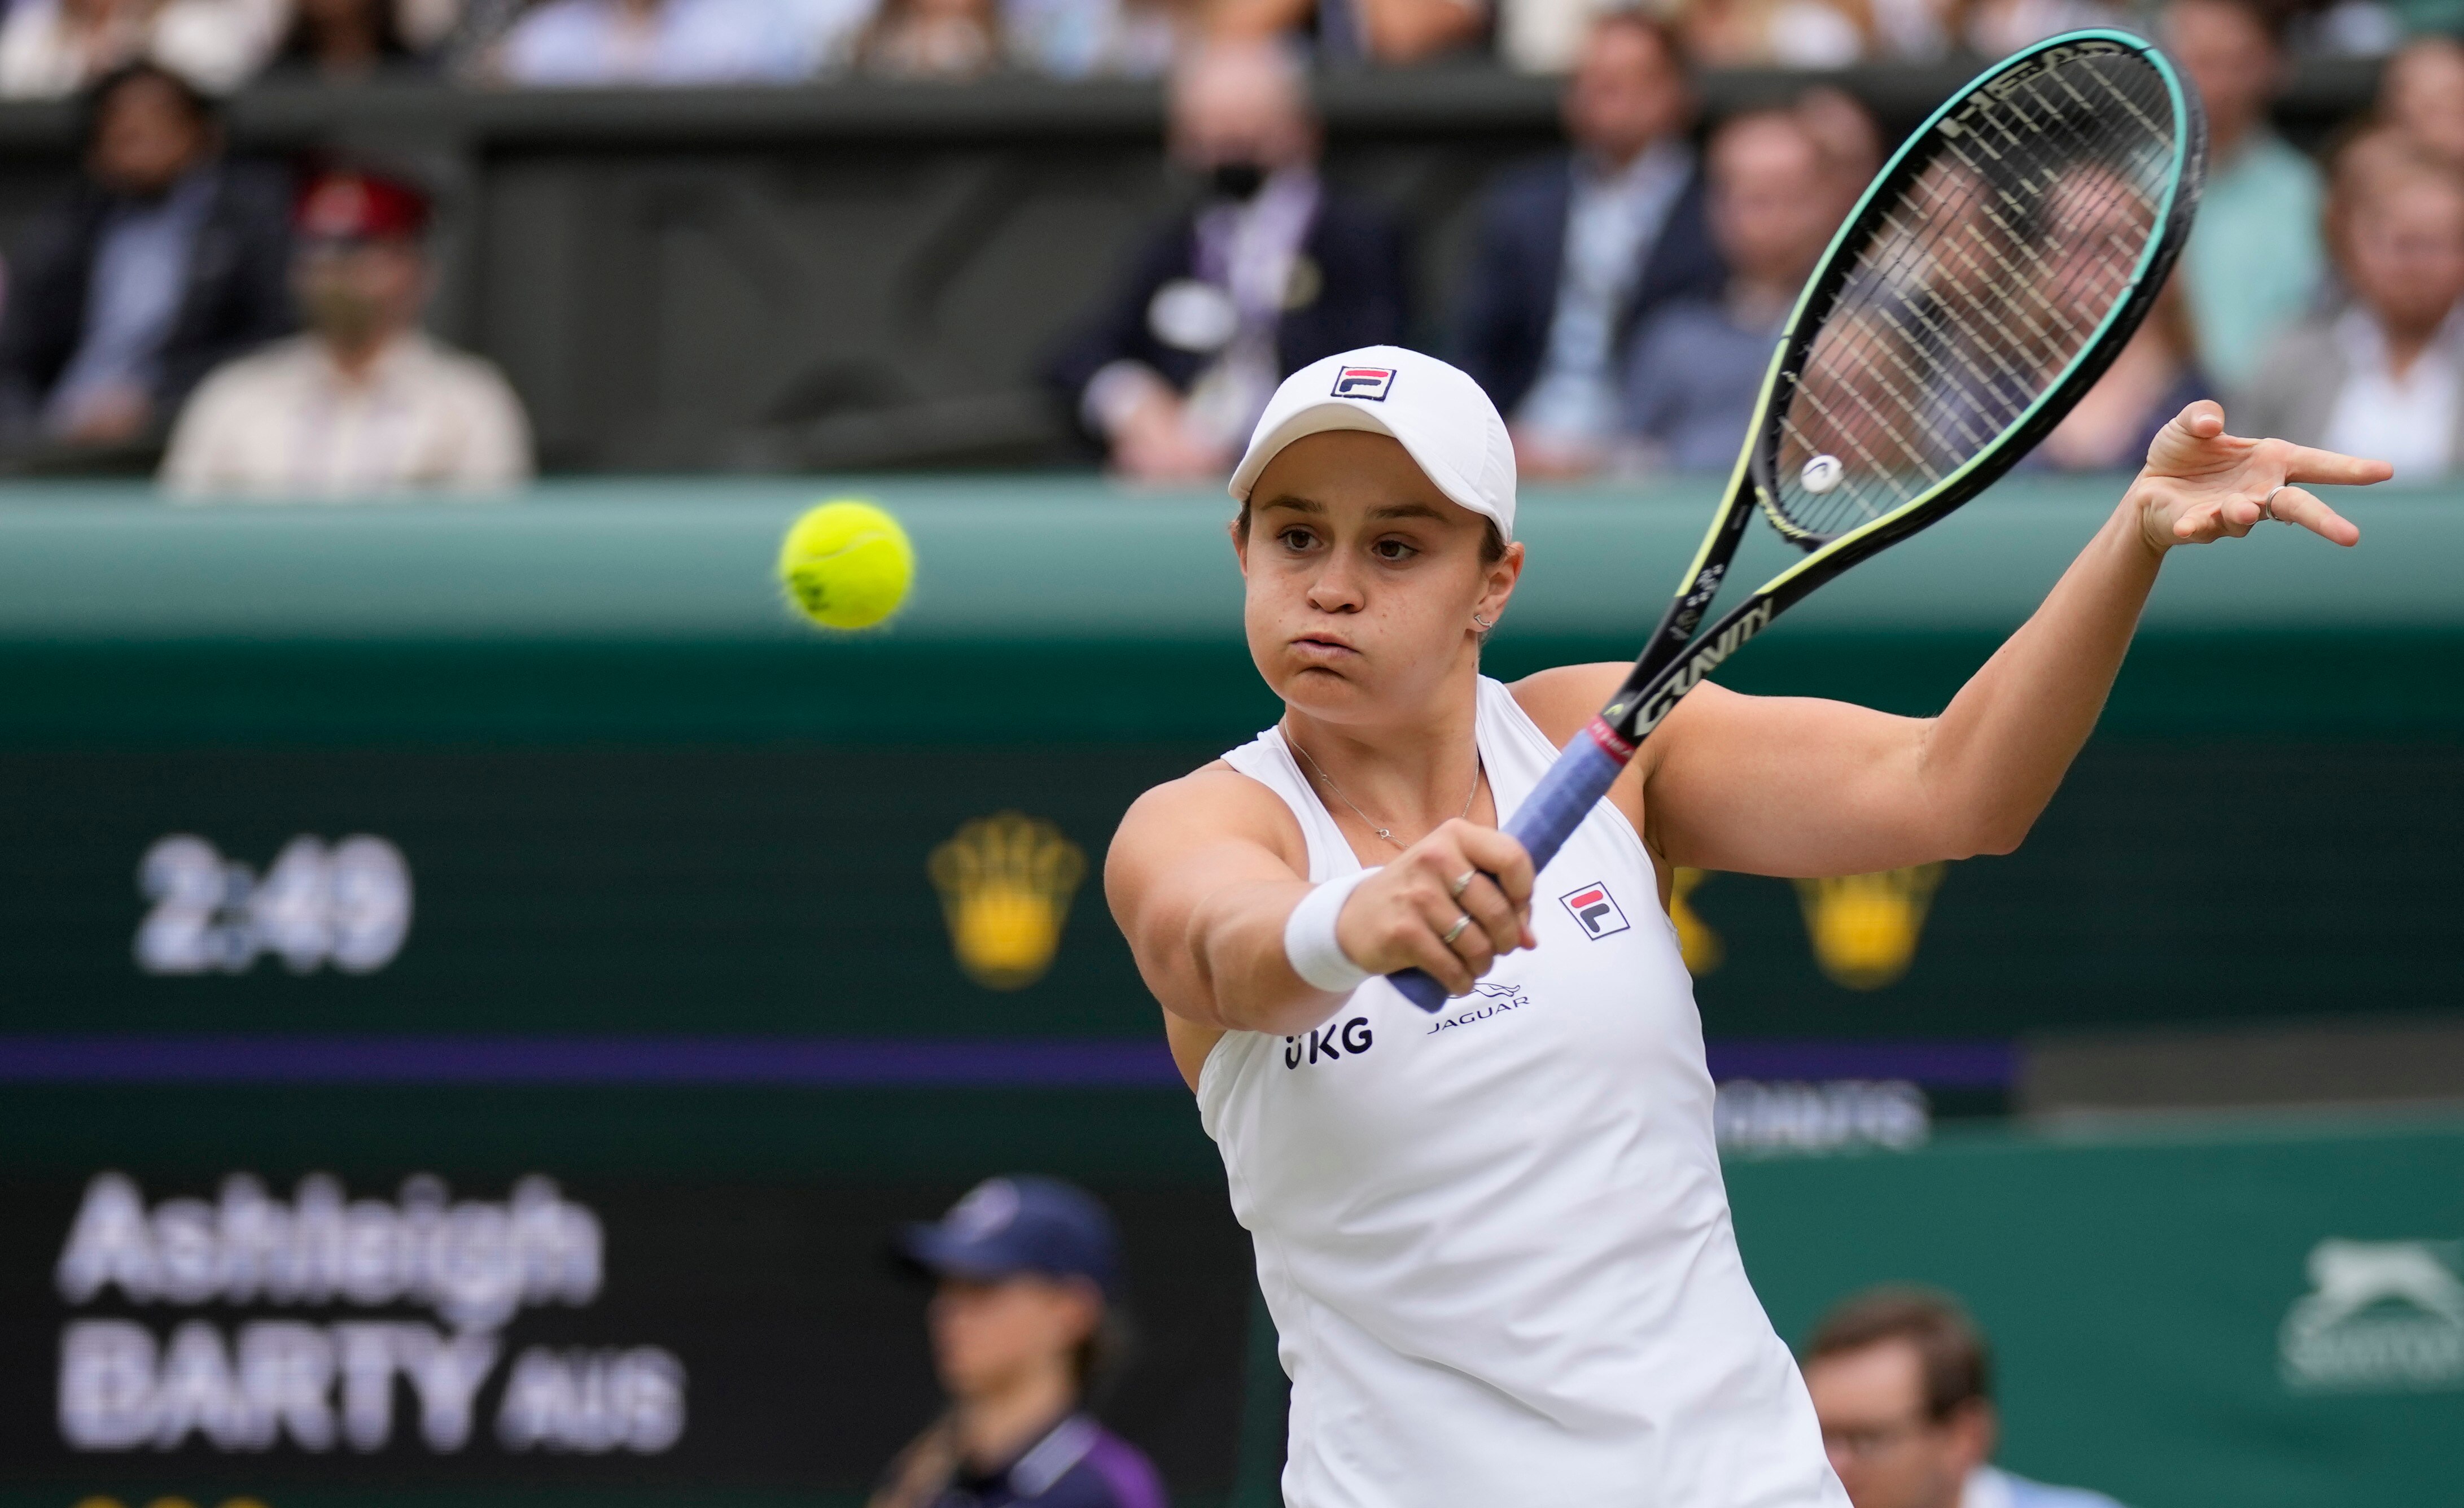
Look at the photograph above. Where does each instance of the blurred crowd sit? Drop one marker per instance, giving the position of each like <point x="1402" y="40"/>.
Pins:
<point x="50" y="47"/>
<point x="1621" y="296"/>
<point x="1618" y="299"/>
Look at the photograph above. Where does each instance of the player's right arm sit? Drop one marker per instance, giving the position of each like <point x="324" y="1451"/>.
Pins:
<point x="1203" y="875"/>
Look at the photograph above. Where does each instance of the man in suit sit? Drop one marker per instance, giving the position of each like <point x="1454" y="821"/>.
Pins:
<point x="1270" y="271"/>
<point x="1573" y="251"/>
<point x="165" y="261"/>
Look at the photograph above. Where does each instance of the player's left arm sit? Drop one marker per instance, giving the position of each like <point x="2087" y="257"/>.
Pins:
<point x="1797" y="786"/>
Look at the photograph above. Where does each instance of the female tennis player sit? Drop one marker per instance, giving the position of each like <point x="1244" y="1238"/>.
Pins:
<point x="1495" y="1241"/>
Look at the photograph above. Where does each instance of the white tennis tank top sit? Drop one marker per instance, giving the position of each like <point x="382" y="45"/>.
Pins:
<point x="1495" y="1241"/>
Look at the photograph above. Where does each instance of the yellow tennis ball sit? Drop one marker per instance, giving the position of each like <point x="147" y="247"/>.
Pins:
<point x="846" y="565"/>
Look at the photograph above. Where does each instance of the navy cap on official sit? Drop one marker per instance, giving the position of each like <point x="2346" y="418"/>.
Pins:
<point x="1018" y="1223"/>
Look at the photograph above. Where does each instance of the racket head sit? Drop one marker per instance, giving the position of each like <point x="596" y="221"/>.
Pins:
<point x="1990" y="273"/>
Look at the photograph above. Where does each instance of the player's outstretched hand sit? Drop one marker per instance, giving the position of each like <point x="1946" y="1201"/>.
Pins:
<point x="1400" y="918"/>
<point x="2201" y="484"/>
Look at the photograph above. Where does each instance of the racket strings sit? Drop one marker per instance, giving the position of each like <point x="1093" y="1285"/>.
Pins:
<point x="1977" y="287"/>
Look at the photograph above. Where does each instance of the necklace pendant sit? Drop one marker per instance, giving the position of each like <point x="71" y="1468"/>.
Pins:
<point x="1383" y="833"/>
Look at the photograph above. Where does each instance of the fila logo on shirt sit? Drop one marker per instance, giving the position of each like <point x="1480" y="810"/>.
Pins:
<point x="1330" y="1042"/>
<point x="1369" y="383"/>
<point x="1594" y="910"/>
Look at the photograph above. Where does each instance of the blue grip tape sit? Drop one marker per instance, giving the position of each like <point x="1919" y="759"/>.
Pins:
<point x="1548" y="817"/>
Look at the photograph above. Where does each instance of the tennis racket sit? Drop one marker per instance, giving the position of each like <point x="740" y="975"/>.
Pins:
<point x="1987" y="277"/>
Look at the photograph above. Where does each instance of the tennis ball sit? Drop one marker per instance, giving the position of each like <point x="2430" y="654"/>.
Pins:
<point x="846" y="565"/>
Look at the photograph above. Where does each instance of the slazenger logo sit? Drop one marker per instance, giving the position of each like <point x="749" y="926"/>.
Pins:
<point x="2381" y="1317"/>
<point x="1484" y="1001"/>
<point x="1594" y="910"/>
<point x="1370" y="383"/>
<point x="1703" y="661"/>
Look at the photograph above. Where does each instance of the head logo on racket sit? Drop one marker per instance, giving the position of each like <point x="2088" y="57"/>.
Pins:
<point x="1370" y="384"/>
<point x="1594" y="910"/>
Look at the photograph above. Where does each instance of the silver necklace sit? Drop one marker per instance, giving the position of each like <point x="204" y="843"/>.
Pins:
<point x="1383" y="833"/>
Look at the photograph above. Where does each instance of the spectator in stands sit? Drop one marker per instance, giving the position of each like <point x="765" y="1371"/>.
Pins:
<point x="2253" y="262"/>
<point x="2422" y="94"/>
<point x="345" y="42"/>
<point x="948" y="40"/>
<point x="1093" y="39"/>
<point x="2156" y="376"/>
<point x="2360" y="160"/>
<point x="1354" y="31"/>
<point x="1773" y="34"/>
<point x="1851" y="143"/>
<point x="1698" y="363"/>
<point x="585" y="43"/>
<point x="1025" y="1271"/>
<point x="365" y="401"/>
<point x="163" y="260"/>
<point x="2385" y="376"/>
<point x="54" y="48"/>
<point x="1902" y="1386"/>
<point x="1571" y="253"/>
<point x="1999" y="28"/>
<point x="1270" y="272"/>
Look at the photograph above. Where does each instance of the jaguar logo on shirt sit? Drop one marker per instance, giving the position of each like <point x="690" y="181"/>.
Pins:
<point x="1594" y="910"/>
<point x="1487" y="999"/>
<point x="1330" y="1042"/>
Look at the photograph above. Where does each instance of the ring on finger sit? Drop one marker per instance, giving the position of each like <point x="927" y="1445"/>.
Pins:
<point x="1455" y="931"/>
<point x="2267" y="505"/>
<point x="1462" y="883"/>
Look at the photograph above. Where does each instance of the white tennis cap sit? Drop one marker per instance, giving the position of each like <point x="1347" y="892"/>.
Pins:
<point x="1435" y="411"/>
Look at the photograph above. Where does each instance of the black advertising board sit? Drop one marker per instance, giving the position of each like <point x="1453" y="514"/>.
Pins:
<point x="262" y="1334"/>
<point x="794" y="891"/>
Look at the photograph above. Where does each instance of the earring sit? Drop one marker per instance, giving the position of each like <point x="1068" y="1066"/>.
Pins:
<point x="1486" y="624"/>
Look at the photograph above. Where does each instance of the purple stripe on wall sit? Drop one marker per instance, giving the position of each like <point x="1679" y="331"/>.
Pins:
<point x="818" y="1062"/>
<point x="814" y="1062"/>
<point x="1934" y="1063"/>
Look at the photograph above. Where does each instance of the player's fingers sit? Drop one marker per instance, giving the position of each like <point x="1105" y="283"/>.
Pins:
<point x="2204" y="417"/>
<point x="1499" y="856"/>
<point x="2306" y="463"/>
<point x="2294" y="505"/>
<point x="1427" y="949"/>
<point x="1487" y="907"/>
<point x="1462" y="932"/>
<point x="2197" y="524"/>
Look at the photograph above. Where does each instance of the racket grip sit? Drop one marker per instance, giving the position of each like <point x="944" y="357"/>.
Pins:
<point x="1548" y="817"/>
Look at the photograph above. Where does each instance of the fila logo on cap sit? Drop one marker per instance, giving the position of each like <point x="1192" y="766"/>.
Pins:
<point x="1370" y="383"/>
<point x="1594" y="910"/>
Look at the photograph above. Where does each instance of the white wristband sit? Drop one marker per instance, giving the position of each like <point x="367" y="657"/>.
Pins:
<point x="1309" y="937"/>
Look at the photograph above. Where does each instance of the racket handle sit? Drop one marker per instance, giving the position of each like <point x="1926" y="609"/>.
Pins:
<point x="1548" y="817"/>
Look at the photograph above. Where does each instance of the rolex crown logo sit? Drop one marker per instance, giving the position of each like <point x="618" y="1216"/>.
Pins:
<point x="1007" y="882"/>
<point x="1865" y="926"/>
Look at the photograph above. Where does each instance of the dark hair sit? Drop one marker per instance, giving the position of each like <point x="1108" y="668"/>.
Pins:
<point x="1958" y="1367"/>
<point x="1492" y="543"/>
<point x="1103" y="1355"/>
<point x="205" y="111"/>
<point x="1659" y="28"/>
<point x="2273" y="20"/>
<point x="299" y="43"/>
